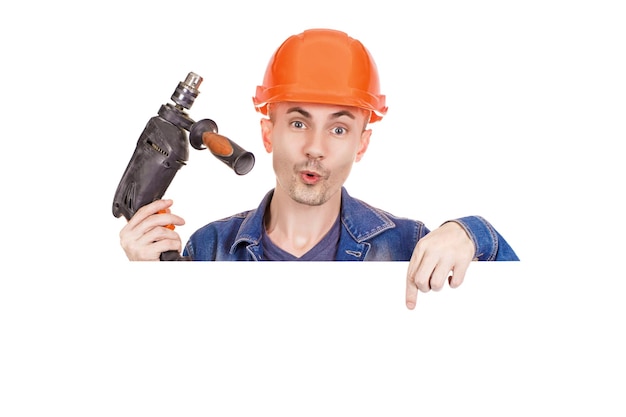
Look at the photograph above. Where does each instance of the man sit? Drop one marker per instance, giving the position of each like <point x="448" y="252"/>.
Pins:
<point x="320" y="92"/>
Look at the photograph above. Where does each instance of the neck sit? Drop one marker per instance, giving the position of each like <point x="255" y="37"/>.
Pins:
<point x="297" y="227"/>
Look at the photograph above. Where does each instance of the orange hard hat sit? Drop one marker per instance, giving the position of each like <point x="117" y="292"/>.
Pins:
<point x="322" y="66"/>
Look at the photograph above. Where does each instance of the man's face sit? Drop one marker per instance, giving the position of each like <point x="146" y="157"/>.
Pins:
<point x="314" y="147"/>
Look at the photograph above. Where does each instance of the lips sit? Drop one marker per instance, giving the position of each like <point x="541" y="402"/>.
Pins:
<point x="310" y="177"/>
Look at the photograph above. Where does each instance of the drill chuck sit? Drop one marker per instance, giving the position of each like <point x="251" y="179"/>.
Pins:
<point x="187" y="91"/>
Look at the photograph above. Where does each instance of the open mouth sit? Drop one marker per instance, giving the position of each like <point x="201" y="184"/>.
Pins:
<point x="309" y="177"/>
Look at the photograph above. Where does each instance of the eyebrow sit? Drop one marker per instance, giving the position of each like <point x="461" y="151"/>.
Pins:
<point x="306" y="114"/>
<point x="299" y="110"/>
<point x="343" y="113"/>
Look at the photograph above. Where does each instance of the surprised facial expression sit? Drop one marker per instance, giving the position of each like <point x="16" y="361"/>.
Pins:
<point x="314" y="147"/>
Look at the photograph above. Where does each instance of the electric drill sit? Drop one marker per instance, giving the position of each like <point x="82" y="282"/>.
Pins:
<point x="163" y="148"/>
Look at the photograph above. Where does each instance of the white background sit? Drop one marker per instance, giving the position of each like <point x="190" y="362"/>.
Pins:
<point x="510" y="110"/>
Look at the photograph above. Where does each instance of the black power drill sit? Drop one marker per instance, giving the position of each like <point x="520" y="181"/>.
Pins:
<point x="163" y="148"/>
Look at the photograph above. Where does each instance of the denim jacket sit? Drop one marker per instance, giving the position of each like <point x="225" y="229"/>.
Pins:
<point x="367" y="234"/>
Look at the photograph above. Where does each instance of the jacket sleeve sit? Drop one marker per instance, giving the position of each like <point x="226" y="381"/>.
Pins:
<point x="490" y="245"/>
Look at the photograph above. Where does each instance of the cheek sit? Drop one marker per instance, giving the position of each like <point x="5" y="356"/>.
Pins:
<point x="343" y="161"/>
<point x="349" y="154"/>
<point x="282" y="158"/>
<point x="282" y="151"/>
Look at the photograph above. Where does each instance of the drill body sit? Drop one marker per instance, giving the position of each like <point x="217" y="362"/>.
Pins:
<point x="162" y="149"/>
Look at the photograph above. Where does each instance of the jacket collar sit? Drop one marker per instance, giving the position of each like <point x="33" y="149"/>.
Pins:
<point x="359" y="219"/>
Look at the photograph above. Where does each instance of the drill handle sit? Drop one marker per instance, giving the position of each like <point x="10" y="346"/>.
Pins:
<point x="203" y="134"/>
<point x="172" y="255"/>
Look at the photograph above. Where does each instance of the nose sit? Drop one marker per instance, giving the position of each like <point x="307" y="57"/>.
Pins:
<point x="314" y="146"/>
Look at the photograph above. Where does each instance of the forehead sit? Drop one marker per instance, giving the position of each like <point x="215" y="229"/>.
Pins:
<point x="318" y="110"/>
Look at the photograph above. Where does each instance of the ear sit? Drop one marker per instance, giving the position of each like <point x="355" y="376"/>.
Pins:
<point x="363" y="144"/>
<point x="266" y="132"/>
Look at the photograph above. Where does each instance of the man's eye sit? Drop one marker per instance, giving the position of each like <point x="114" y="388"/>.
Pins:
<point x="339" y="130"/>
<point x="297" y="124"/>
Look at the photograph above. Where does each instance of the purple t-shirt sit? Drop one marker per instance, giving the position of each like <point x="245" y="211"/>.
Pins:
<point x="325" y="250"/>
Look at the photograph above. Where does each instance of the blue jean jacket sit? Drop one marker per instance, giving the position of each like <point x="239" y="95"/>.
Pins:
<point x="367" y="234"/>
